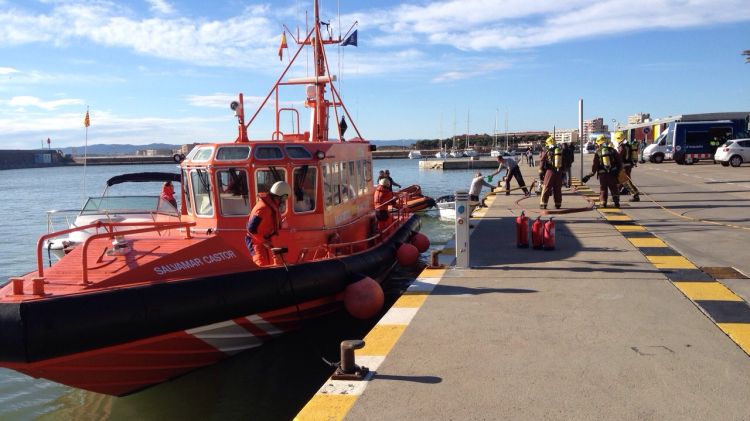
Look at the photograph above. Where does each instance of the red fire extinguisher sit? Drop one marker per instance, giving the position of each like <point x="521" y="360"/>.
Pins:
<point x="536" y="233"/>
<point x="549" y="235"/>
<point x="522" y="231"/>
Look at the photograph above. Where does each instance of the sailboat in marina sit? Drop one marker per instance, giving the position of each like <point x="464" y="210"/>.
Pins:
<point x="468" y="150"/>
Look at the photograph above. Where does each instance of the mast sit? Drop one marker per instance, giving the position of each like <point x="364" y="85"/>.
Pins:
<point x="320" y="109"/>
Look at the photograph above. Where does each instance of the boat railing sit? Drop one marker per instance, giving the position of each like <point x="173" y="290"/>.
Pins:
<point x="110" y="233"/>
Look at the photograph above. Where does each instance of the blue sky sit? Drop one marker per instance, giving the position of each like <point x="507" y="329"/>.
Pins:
<point x="165" y="71"/>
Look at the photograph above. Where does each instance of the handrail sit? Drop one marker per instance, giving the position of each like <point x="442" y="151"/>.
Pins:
<point x="151" y="226"/>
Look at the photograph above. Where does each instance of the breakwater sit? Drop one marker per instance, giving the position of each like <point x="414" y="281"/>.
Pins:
<point x="32" y="158"/>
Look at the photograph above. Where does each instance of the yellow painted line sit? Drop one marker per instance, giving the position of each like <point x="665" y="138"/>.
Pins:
<point x="647" y="242"/>
<point x="671" y="262"/>
<point x="629" y="228"/>
<point x="739" y="332"/>
<point x="612" y="217"/>
<point x="448" y="250"/>
<point x="714" y="291"/>
<point x="432" y="273"/>
<point x="410" y="300"/>
<point x="327" y="407"/>
<point x="381" y="339"/>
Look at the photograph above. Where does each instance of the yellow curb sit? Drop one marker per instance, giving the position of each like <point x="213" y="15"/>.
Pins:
<point x="647" y="242"/>
<point x="326" y="407"/>
<point x="432" y="273"/>
<point x="671" y="262"/>
<point x="381" y="339"/>
<point x="610" y="216"/>
<point x="739" y="332"/>
<point x="629" y="228"/>
<point x="411" y="300"/>
<point x="713" y="291"/>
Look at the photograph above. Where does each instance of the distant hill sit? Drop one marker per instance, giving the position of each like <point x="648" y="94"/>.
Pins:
<point x="102" y="149"/>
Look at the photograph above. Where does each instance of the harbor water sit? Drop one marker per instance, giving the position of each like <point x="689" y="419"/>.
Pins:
<point x="269" y="383"/>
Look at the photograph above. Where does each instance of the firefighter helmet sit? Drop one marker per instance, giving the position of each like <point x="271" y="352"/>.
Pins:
<point x="550" y="141"/>
<point x="600" y="140"/>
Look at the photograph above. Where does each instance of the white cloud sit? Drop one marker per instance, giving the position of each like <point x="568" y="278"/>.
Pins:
<point x="246" y="40"/>
<point x="161" y="6"/>
<point x="7" y="70"/>
<point x="515" y="24"/>
<point x="30" y="101"/>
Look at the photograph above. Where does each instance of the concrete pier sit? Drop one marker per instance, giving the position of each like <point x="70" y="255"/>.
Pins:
<point x="612" y="324"/>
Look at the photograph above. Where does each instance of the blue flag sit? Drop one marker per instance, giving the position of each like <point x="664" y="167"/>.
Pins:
<point x="351" y="39"/>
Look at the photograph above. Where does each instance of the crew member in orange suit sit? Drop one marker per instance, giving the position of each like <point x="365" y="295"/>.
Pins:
<point x="265" y="221"/>
<point x="383" y="195"/>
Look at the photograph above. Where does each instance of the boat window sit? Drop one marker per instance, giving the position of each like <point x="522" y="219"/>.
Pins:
<point x="332" y="182"/>
<point x="298" y="152"/>
<point x="186" y="192"/>
<point x="202" y="192"/>
<point x="232" y="153"/>
<point x="305" y="181"/>
<point x="353" y="181"/>
<point x="368" y="172"/>
<point x="265" y="178"/>
<point x="233" y="192"/>
<point x="345" y="183"/>
<point x="361" y="178"/>
<point x="268" y="152"/>
<point x="202" y="154"/>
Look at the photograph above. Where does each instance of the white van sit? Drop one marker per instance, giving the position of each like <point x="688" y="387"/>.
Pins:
<point x="660" y="150"/>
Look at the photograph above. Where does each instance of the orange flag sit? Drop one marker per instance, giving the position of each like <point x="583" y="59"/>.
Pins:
<point x="86" y="121"/>
<point x="282" y="46"/>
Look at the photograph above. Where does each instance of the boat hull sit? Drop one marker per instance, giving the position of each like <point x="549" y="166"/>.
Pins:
<point x="124" y="339"/>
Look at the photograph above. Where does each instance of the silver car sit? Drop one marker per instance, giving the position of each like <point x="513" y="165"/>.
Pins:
<point x="734" y="152"/>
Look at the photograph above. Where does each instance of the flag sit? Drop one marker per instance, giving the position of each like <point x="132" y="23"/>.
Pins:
<point x="86" y="121"/>
<point x="343" y="126"/>
<point x="282" y="46"/>
<point x="350" y="40"/>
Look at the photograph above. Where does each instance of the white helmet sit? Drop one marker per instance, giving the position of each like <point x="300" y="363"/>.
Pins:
<point x="280" y="188"/>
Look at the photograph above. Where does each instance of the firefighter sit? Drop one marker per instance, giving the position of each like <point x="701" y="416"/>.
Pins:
<point x="550" y="170"/>
<point x="628" y="151"/>
<point x="265" y="221"/>
<point x="606" y="166"/>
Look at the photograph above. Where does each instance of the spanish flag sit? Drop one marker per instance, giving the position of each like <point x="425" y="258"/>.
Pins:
<point x="282" y="46"/>
<point x="86" y="121"/>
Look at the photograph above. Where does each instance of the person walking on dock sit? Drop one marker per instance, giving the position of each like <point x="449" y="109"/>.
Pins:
<point x="568" y="157"/>
<point x="530" y="156"/>
<point x="511" y="170"/>
<point x="550" y="171"/>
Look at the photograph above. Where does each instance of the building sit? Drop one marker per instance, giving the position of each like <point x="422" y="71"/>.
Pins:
<point x="566" y="135"/>
<point x="593" y="126"/>
<point x="639" y="118"/>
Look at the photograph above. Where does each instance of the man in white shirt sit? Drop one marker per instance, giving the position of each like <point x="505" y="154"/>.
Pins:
<point x="476" y="188"/>
<point x="511" y="167"/>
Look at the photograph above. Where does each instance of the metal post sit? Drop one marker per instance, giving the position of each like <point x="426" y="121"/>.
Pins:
<point x="580" y="132"/>
<point x="463" y="212"/>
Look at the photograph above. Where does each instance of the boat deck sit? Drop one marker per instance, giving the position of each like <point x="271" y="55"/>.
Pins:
<point x="104" y="268"/>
